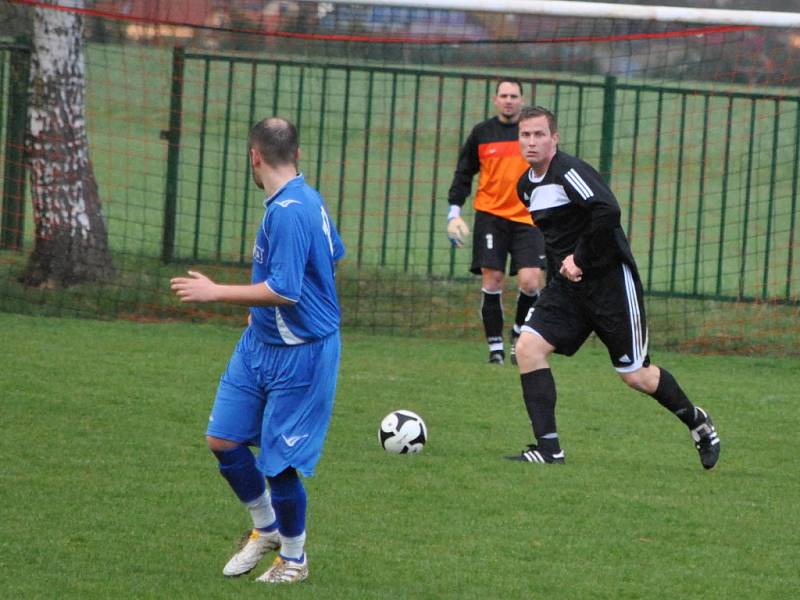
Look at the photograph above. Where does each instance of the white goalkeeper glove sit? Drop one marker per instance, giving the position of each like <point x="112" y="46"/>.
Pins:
<point x="457" y="230"/>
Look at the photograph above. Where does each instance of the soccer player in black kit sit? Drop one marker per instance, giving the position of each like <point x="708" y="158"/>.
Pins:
<point x="503" y="226"/>
<point x="594" y="286"/>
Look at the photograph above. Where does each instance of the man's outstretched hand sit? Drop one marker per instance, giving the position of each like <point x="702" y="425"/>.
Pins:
<point x="195" y="288"/>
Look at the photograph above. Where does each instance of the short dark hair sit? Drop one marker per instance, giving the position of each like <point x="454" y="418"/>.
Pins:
<point x="531" y="112"/>
<point x="275" y="139"/>
<point x="503" y="80"/>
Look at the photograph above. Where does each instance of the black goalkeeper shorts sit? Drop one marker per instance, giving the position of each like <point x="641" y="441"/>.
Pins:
<point x="609" y="303"/>
<point x="494" y="238"/>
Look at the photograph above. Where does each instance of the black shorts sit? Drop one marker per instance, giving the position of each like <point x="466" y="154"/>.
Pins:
<point x="609" y="303"/>
<point x="494" y="238"/>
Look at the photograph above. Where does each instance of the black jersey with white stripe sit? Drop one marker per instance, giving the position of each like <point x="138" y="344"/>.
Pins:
<point x="577" y="213"/>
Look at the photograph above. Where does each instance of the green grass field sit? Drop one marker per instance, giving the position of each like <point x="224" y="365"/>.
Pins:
<point x="108" y="491"/>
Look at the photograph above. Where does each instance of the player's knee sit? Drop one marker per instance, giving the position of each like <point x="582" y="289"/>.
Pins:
<point x="216" y="444"/>
<point x="531" y="282"/>
<point x="528" y="348"/>
<point x="643" y="380"/>
<point x="492" y="280"/>
<point x="530" y="290"/>
<point x="532" y="352"/>
<point x="632" y="380"/>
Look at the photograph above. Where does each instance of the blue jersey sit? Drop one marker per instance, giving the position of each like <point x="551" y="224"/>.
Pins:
<point x="295" y="252"/>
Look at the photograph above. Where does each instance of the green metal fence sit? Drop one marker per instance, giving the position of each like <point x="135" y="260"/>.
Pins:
<point x="707" y="177"/>
<point x="14" y="68"/>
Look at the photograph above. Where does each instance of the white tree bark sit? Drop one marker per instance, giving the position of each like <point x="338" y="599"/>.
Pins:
<point x="71" y="243"/>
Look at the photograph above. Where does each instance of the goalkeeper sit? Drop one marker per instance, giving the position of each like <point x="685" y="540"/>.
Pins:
<point x="502" y="225"/>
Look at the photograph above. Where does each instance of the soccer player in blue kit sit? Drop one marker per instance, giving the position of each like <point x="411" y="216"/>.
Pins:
<point x="278" y="390"/>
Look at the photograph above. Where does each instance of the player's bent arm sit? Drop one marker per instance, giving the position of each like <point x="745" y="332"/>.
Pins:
<point x="587" y="188"/>
<point x="257" y="294"/>
<point x="466" y="168"/>
<point x="199" y="288"/>
<point x="598" y="240"/>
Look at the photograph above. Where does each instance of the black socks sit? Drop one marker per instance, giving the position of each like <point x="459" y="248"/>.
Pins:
<point x="524" y="303"/>
<point x="670" y="395"/>
<point x="492" y="315"/>
<point x="539" y="393"/>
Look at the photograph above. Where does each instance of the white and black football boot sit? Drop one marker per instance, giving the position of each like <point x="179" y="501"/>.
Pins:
<point x="534" y="454"/>
<point x="497" y="357"/>
<point x="706" y="440"/>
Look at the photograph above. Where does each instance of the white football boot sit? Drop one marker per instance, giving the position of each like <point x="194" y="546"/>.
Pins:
<point x="284" y="570"/>
<point x="258" y="544"/>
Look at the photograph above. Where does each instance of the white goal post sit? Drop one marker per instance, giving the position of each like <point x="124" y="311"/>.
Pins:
<point x="603" y="10"/>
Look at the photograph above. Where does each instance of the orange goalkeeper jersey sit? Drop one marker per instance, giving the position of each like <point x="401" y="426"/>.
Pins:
<point x="492" y="149"/>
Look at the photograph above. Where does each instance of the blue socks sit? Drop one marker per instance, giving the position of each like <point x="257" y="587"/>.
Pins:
<point x="287" y="497"/>
<point x="238" y="467"/>
<point x="289" y="502"/>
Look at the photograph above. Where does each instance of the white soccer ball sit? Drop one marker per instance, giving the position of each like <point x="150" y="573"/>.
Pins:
<point x="403" y="432"/>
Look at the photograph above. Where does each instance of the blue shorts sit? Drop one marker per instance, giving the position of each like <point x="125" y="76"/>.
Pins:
<point x="279" y="398"/>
